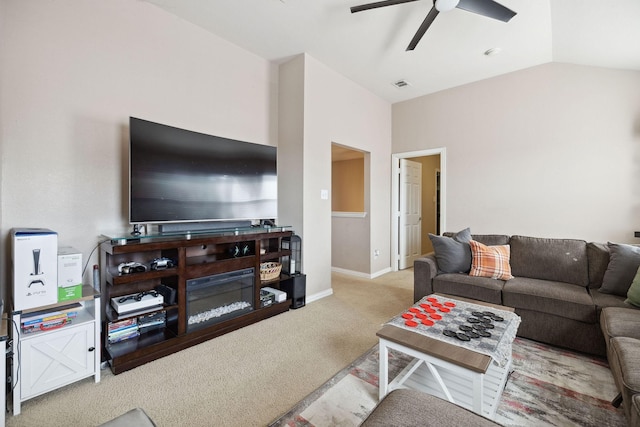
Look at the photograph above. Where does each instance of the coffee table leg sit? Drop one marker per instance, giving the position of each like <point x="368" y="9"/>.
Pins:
<point x="383" y="377"/>
<point x="478" y="386"/>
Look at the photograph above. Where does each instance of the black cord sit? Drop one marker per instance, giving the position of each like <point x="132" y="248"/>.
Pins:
<point x="16" y="354"/>
<point x="89" y="257"/>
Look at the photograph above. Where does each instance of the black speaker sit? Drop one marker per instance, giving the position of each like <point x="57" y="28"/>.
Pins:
<point x="296" y="289"/>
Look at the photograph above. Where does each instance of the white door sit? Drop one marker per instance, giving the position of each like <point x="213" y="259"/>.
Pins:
<point x="410" y="213"/>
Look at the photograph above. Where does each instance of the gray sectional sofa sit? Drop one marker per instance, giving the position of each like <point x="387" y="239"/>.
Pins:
<point x="569" y="293"/>
<point x="621" y="329"/>
<point x="406" y="408"/>
<point x="557" y="285"/>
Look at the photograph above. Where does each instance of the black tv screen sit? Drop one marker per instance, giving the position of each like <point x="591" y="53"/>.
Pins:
<point x="177" y="175"/>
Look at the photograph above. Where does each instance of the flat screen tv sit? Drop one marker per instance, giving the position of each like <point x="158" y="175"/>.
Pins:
<point x="177" y="175"/>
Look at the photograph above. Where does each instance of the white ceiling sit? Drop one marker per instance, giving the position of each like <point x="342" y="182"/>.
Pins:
<point x="369" y="47"/>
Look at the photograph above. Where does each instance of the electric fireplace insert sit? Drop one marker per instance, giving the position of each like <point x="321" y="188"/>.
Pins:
<point x="214" y="299"/>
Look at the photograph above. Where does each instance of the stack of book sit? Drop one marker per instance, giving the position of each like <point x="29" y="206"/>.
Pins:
<point x="149" y="322"/>
<point x="123" y="330"/>
<point x="44" y="320"/>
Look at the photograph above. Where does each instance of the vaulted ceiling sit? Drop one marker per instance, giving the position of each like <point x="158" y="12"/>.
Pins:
<point x="370" y="47"/>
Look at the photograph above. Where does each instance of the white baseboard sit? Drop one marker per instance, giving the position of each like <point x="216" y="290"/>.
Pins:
<point x="381" y="272"/>
<point x="361" y="274"/>
<point x="318" y="295"/>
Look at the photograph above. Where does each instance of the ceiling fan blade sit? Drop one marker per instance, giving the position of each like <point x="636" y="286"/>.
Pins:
<point x="423" y="28"/>
<point x="378" y="4"/>
<point x="488" y="8"/>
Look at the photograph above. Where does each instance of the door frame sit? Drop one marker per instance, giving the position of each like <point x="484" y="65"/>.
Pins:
<point x="395" y="194"/>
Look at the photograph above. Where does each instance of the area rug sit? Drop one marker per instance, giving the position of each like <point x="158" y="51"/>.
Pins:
<point x="548" y="387"/>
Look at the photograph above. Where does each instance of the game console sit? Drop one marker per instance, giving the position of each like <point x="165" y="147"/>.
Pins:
<point x="266" y="298"/>
<point x="280" y="296"/>
<point x="161" y="263"/>
<point x="134" y="302"/>
<point x="168" y="293"/>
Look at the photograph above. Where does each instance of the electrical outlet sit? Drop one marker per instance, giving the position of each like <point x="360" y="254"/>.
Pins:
<point x="376" y="253"/>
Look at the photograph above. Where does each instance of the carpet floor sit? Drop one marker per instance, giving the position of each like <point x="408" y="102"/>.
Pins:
<point x="548" y="387"/>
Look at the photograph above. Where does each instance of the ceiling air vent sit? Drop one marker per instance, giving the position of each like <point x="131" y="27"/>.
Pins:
<point x="401" y="83"/>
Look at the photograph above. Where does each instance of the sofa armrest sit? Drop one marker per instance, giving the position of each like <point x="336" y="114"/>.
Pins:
<point x="424" y="270"/>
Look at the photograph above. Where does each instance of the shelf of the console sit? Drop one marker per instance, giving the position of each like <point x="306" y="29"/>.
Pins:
<point x="274" y="281"/>
<point x="145" y="340"/>
<point x="113" y="316"/>
<point x="116" y="278"/>
<point x="269" y="256"/>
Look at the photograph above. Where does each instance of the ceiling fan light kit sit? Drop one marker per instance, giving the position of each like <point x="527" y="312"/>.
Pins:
<point x="446" y="5"/>
<point x="488" y="8"/>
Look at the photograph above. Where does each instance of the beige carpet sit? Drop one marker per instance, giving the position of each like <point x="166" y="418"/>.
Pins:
<point x="245" y="378"/>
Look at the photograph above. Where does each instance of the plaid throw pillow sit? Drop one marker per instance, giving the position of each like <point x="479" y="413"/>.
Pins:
<point x="490" y="261"/>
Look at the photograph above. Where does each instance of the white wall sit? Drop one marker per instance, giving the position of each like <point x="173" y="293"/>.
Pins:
<point x="336" y="110"/>
<point x="551" y="151"/>
<point x="74" y="71"/>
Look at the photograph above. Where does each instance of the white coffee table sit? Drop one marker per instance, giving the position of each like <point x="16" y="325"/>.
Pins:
<point x="467" y="378"/>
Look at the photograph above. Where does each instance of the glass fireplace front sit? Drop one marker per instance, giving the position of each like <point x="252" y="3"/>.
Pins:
<point x="220" y="297"/>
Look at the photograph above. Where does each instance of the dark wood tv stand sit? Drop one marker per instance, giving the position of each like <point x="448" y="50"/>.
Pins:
<point x="196" y="255"/>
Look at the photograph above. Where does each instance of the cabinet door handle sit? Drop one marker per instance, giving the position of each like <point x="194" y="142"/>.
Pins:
<point x="91" y="348"/>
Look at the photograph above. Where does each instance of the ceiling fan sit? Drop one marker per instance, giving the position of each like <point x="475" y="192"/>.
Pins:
<point x="488" y="8"/>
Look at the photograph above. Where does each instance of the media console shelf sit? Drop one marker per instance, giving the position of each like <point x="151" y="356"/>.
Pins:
<point x="216" y="278"/>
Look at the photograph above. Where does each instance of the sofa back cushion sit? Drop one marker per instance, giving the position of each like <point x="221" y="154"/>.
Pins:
<point x="598" y="255"/>
<point x="485" y="239"/>
<point x="560" y="260"/>
<point x="491" y="239"/>
<point x="624" y="261"/>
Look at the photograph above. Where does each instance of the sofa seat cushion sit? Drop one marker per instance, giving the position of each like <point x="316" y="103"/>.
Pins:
<point x="558" y="260"/>
<point x="635" y="411"/>
<point x="559" y="298"/>
<point x="608" y="300"/>
<point x="463" y="285"/>
<point x="620" y="322"/>
<point x="405" y="407"/>
<point x="624" y="359"/>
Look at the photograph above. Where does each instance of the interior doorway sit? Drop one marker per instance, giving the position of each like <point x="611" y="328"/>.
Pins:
<point x="350" y="200"/>
<point x="432" y="212"/>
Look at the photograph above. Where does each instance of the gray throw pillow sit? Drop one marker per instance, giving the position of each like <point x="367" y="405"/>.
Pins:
<point x="624" y="261"/>
<point x="453" y="254"/>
